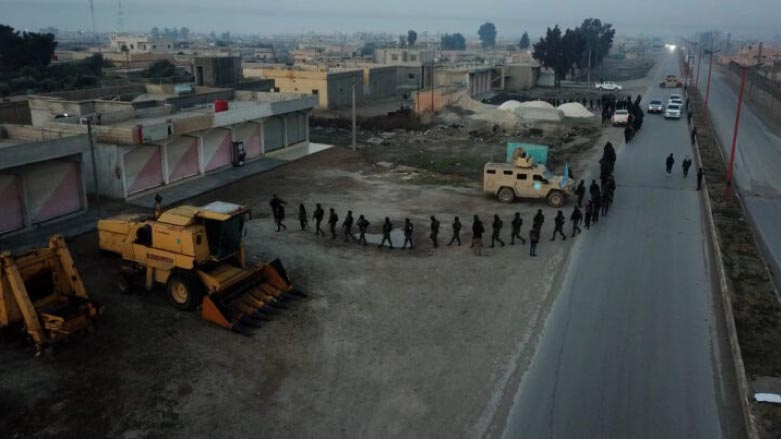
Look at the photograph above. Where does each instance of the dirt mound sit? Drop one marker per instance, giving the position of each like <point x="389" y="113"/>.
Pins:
<point x="510" y="105"/>
<point x="574" y="109"/>
<point x="538" y="104"/>
<point x="538" y="113"/>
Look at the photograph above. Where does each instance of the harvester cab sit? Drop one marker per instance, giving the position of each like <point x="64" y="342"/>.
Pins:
<point x="198" y="254"/>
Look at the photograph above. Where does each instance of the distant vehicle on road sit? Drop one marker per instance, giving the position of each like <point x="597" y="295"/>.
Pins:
<point x="655" y="106"/>
<point x="676" y="99"/>
<point x="671" y="81"/>
<point x="673" y="111"/>
<point x="620" y="117"/>
<point x="608" y="85"/>
<point x="523" y="179"/>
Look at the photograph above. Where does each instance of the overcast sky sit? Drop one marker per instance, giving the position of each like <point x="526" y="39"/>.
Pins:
<point x="756" y="18"/>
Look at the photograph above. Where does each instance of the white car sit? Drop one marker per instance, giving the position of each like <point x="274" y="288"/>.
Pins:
<point x="655" y="106"/>
<point x="608" y="85"/>
<point x="676" y="96"/>
<point x="673" y="111"/>
<point x="620" y="117"/>
<point x="675" y="101"/>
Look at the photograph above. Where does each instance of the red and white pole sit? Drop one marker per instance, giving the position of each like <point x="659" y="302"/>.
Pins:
<point x="735" y="133"/>
<point x="707" y="92"/>
<point x="699" y="59"/>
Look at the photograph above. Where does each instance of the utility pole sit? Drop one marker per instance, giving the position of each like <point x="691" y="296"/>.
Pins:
<point x="699" y="60"/>
<point x="355" y="142"/>
<point x="588" y="75"/>
<point x="433" y="56"/>
<point x="743" y="75"/>
<point x="94" y="167"/>
<point x="707" y="89"/>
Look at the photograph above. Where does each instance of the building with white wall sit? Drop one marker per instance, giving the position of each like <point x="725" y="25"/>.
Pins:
<point x="139" y="43"/>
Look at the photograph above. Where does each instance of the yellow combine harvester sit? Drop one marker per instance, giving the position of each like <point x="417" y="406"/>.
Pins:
<point x="43" y="291"/>
<point x="197" y="253"/>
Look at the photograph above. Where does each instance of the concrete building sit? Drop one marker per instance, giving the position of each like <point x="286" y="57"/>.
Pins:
<point x="41" y="177"/>
<point x="139" y="43"/>
<point x="150" y="136"/>
<point x="519" y="76"/>
<point x="216" y="71"/>
<point x="413" y="66"/>
<point x="475" y="80"/>
<point x="332" y="86"/>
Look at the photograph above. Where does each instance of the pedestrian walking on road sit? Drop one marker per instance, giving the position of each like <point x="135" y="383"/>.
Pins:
<point x="694" y="135"/>
<point x="597" y="207"/>
<point x="477" y="236"/>
<point x="558" y="226"/>
<point x="538" y="220"/>
<point x="606" y="200"/>
<point x="611" y="186"/>
<point x="347" y="227"/>
<point x="515" y="230"/>
<point x="281" y="217"/>
<point x="689" y="118"/>
<point x="700" y="173"/>
<point x="587" y="216"/>
<point x="687" y="163"/>
<point x="318" y="216"/>
<point x="362" y="224"/>
<point x="303" y="219"/>
<point x="593" y="190"/>
<point x="534" y="239"/>
<point x="407" y="235"/>
<point x="386" y="233"/>
<point x="580" y="191"/>
<point x="434" y="231"/>
<point x="669" y="163"/>
<point x="456" y="232"/>
<point x="333" y="219"/>
<point x="497" y="230"/>
<point x="575" y="219"/>
<point x="277" y="207"/>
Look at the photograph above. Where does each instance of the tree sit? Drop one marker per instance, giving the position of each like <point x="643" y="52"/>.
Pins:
<point x="402" y="40"/>
<point x="598" y="39"/>
<point x="525" y="43"/>
<point x="412" y="37"/>
<point x="155" y="32"/>
<point x="453" y="42"/>
<point x="487" y="34"/>
<point x="184" y="33"/>
<point x="161" y="69"/>
<point x="19" y="49"/>
<point x="368" y="48"/>
<point x="550" y="52"/>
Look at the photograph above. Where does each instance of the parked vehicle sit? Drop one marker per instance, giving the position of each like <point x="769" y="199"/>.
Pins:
<point x="671" y="81"/>
<point x="620" y="117"/>
<point x="523" y="179"/>
<point x="608" y="85"/>
<point x="655" y="106"/>
<point x="673" y="111"/>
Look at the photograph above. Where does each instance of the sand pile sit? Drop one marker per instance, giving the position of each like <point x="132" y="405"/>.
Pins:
<point x="510" y="105"/>
<point x="538" y="104"/>
<point x="574" y="109"/>
<point x="538" y="114"/>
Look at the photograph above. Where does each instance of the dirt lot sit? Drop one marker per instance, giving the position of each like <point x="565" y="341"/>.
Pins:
<point x="388" y="344"/>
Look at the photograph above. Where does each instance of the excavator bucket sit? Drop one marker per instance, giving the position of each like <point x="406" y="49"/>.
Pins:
<point x="246" y="304"/>
<point x="43" y="291"/>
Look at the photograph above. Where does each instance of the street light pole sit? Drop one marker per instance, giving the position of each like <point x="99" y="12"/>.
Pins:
<point x="735" y="132"/>
<point x="355" y="131"/>
<point x="707" y="89"/>
<point x="699" y="60"/>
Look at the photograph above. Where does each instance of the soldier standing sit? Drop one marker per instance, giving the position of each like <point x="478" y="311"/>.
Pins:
<point x="318" y="217"/>
<point x="363" y="224"/>
<point x="386" y="233"/>
<point x="276" y="204"/>
<point x="302" y="217"/>
<point x="687" y="163"/>
<point x="580" y="191"/>
<point x="538" y="220"/>
<point x="434" y="231"/>
<point x="669" y="163"/>
<point x="281" y="217"/>
<point x="333" y="218"/>
<point x="497" y="230"/>
<point x="700" y="173"/>
<point x="596" y="205"/>
<point x="558" y="226"/>
<point x="575" y="220"/>
<point x="534" y="238"/>
<point x="587" y="216"/>
<point x="477" y="236"/>
<point x="694" y="134"/>
<point x="407" y="235"/>
<point x="456" y="232"/>
<point x="347" y="226"/>
<point x="516" y="229"/>
<point x="593" y="190"/>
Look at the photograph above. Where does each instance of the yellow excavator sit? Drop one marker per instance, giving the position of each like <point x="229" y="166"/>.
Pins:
<point x="42" y="291"/>
<point x="197" y="253"/>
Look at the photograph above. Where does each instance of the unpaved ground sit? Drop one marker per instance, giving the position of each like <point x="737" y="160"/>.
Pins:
<point x="389" y="343"/>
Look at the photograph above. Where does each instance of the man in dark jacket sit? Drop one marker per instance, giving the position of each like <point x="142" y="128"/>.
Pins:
<point x="318" y="216"/>
<point x="575" y="220"/>
<point x="558" y="227"/>
<point x="538" y="220"/>
<point x="580" y="191"/>
<point x="386" y="233"/>
<point x="669" y="163"/>
<point x="434" y="231"/>
<point x="407" y="235"/>
<point x="587" y="216"/>
<point x="477" y="236"/>
<point x="594" y="190"/>
<point x="687" y="163"/>
<point x="333" y="219"/>
<point x="303" y="219"/>
<point x="456" y="232"/>
<point x="534" y="238"/>
<point x="516" y="229"/>
<point x="694" y="134"/>
<point x="700" y="173"/>
<point x="497" y="230"/>
<point x="347" y="227"/>
<point x="362" y="224"/>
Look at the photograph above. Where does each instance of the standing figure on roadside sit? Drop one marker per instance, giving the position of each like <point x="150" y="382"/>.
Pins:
<point x="594" y="190"/>
<point x="596" y="204"/>
<point x="694" y="134"/>
<point x="407" y="235"/>
<point x="587" y="216"/>
<point x="386" y="233"/>
<point x="611" y="186"/>
<point x="434" y="231"/>
<point x="580" y="191"/>
<point x="606" y="200"/>
<point x="700" y="173"/>
<point x="347" y="227"/>
<point x="318" y="217"/>
<point x="558" y="226"/>
<point x="627" y="133"/>
<point x="689" y="118"/>
<point x="456" y="232"/>
<point x="333" y="219"/>
<point x="303" y="219"/>
<point x="362" y="224"/>
<point x="534" y="239"/>
<point x="669" y="163"/>
<point x="497" y="230"/>
<point x="516" y="229"/>
<point x="281" y="217"/>
<point x="575" y="219"/>
<point x="477" y="236"/>
<point x="687" y="163"/>
<point x="276" y="204"/>
<point x="538" y="220"/>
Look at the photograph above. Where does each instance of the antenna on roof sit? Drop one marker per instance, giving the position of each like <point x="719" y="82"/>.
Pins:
<point x="92" y="13"/>
<point x="120" y="17"/>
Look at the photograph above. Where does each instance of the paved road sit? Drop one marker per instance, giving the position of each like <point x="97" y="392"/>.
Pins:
<point x="632" y="347"/>
<point x="757" y="164"/>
